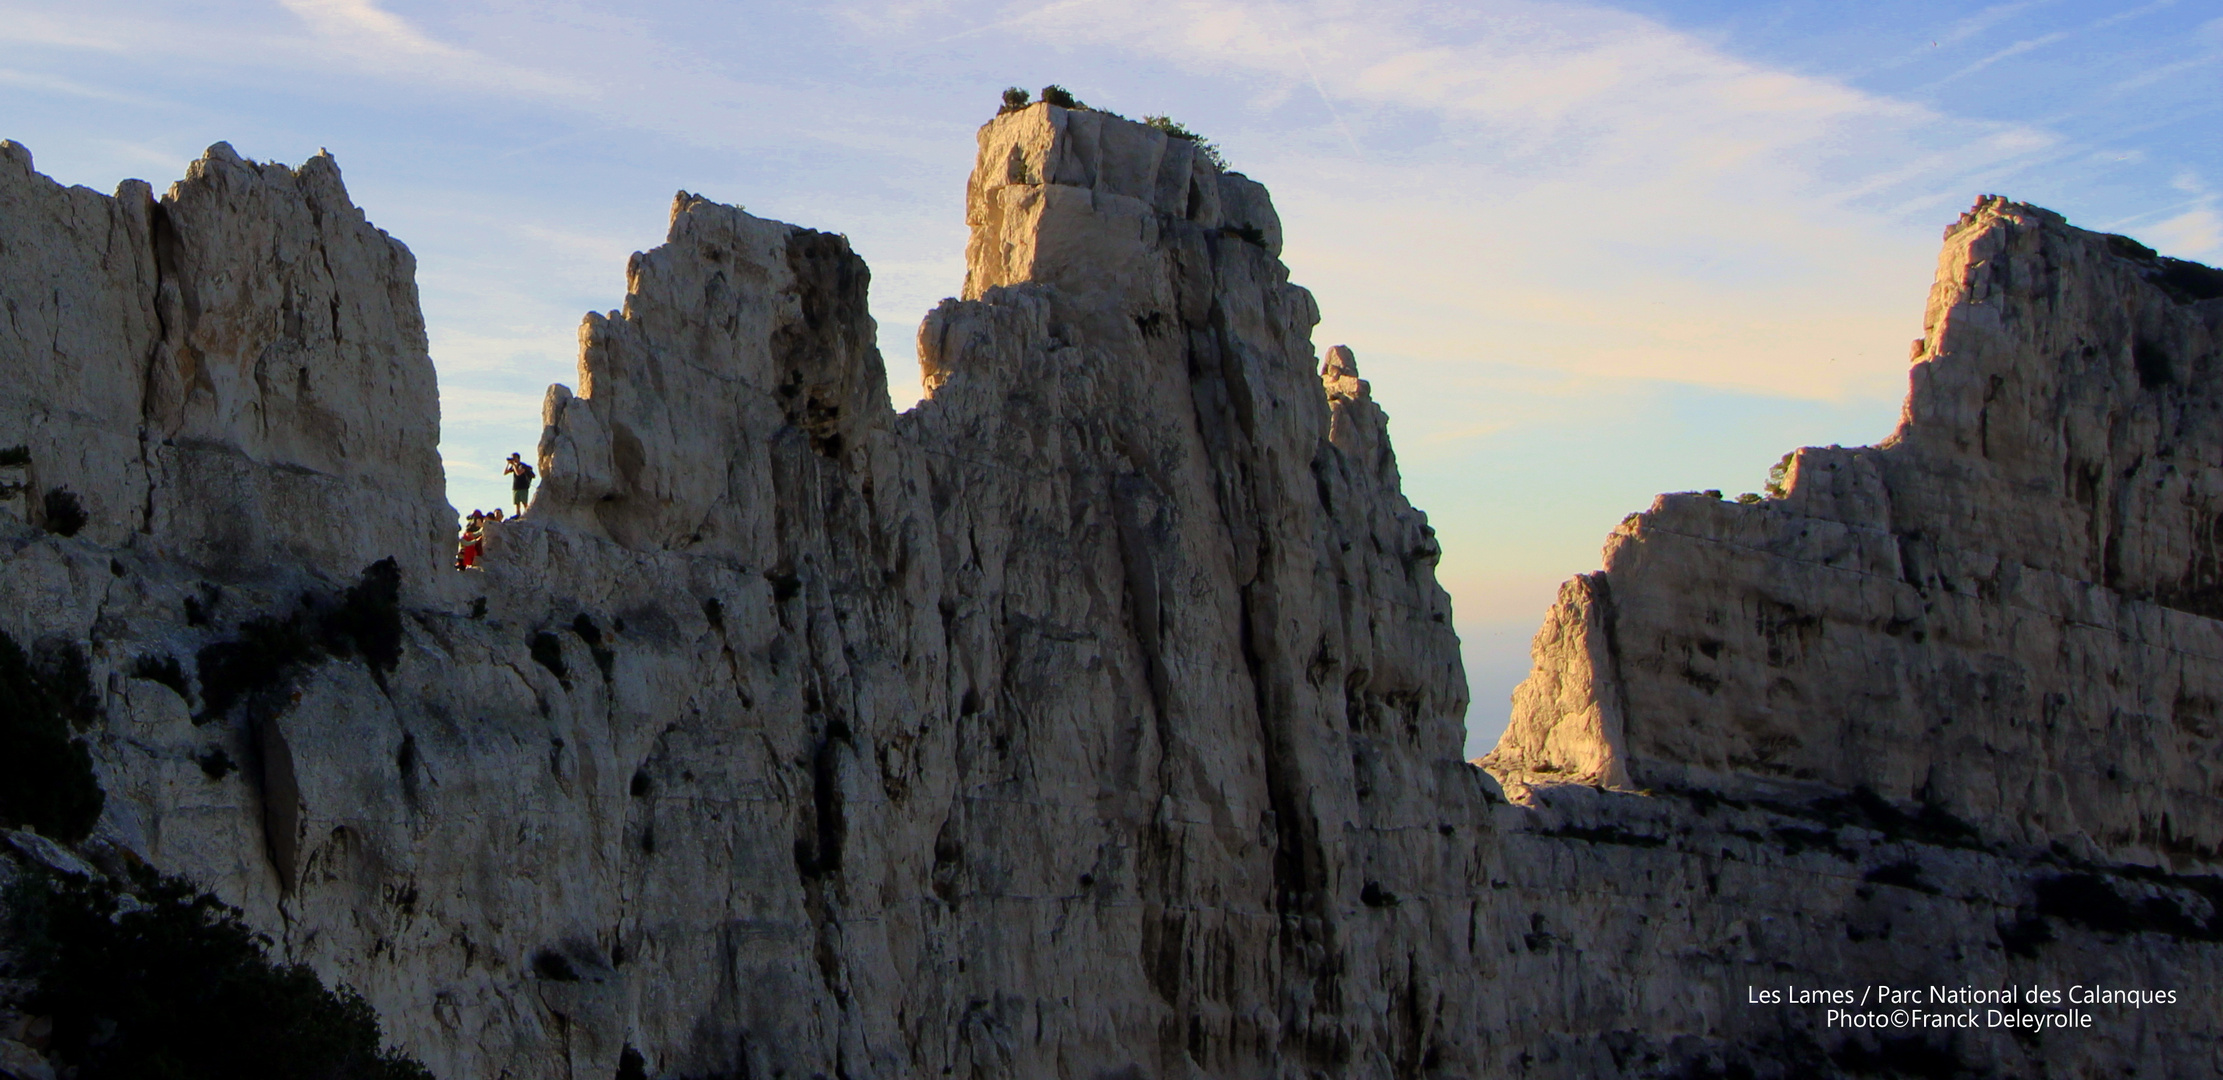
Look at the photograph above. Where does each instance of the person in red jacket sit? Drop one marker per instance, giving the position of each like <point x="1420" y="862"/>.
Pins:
<point x="473" y="541"/>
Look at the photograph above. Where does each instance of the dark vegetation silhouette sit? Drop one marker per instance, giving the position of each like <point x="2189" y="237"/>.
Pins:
<point x="46" y="773"/>
<point x="164" y="982"/>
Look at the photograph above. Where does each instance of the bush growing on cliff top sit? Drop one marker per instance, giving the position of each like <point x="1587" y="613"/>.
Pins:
<point x="1176" y="129"/>
<point x="170" y="985"/>
<point x="1059" y="96"/>
<point x="1014" y="99"/>
<point x="1779" y="476"/>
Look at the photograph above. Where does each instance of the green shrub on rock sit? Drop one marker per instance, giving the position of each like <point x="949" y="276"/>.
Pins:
<point x="1779" y="476"/>
<point x="1176" y="129"/>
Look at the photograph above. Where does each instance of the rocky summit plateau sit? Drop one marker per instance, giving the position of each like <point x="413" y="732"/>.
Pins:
<point x="1100" y="716"/>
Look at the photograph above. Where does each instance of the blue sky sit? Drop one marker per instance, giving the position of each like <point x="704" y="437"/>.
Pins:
<point x="1585" y="252"/>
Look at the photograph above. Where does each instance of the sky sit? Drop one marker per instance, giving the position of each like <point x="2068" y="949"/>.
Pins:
<point x="1585" y="253"/>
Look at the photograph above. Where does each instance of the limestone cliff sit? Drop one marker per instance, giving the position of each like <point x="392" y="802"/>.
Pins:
<point x="1990" y="643"/>
<point x="2006" y="613"/>
<point x="1058" y="725"/>
<point x="1097" y="717"/>
<point x="248" y="342"/>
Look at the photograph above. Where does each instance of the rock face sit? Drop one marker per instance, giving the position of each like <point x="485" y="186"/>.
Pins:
<point x="1990" y="643"/>
<point x="2006" y="613"/>
<point x="1098" y="717"/>
<point x="238" y="369"/>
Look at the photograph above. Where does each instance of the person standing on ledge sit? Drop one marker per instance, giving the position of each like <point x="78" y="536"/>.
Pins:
<point x="521" y="482"/>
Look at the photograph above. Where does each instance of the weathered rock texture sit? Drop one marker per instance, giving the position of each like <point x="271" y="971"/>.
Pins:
<point x="237" y="369"/>
<point x="2006" y="613"/>
<point x="1098" y="717"/>
<point x="1992" y="639"/>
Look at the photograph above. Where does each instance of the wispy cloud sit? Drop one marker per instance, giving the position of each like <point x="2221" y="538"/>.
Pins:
<point x="1599" y="193"/>
<point x="1533" y="77"/>
<point x="386" y="43"/>
<point x="362" y="19"/>
<point x="2011" y="51"/>
<point x="2195" y="234"/>
<point x="2134" y="13"/>
<point x="45" y="28"/>
<point x="161" y="159"/>
<point x="323" y="36"/>
<point x="1312" y="74"/>
<point x="1963" y="29"/>
<point x="52" y="84"/>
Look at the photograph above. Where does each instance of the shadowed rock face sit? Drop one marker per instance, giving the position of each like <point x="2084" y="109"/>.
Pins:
<point x="1093" y="654"/>
<point x="1080" y="718"/>
<point x="1098" y="717"/>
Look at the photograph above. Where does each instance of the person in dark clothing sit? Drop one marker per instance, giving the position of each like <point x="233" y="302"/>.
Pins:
<point x="520" y="482"/>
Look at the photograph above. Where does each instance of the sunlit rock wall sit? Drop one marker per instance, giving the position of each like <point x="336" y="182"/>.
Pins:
<point x="2006" y="613"/>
